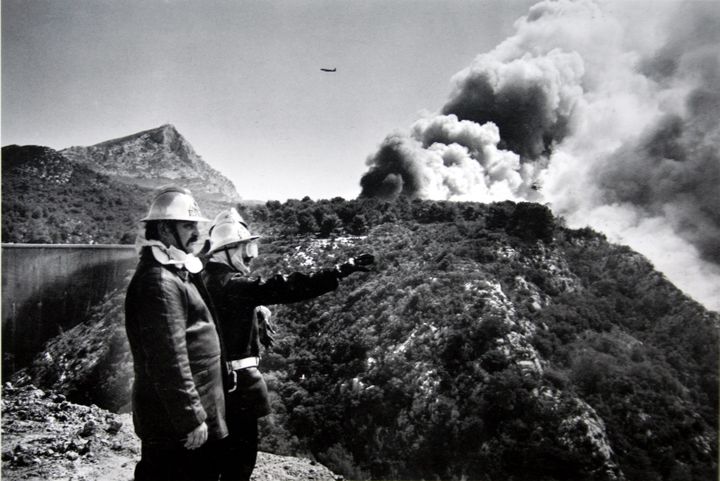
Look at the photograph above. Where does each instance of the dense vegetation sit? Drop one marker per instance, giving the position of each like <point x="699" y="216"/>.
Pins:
<point x="490" y="342"/>
<point x="405" y="373"/>
<point x="49" y="199"/>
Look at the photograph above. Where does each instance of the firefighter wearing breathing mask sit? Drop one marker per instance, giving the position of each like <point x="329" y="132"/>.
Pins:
<point x="178" y="396"/>
<point x="239" y="300"/>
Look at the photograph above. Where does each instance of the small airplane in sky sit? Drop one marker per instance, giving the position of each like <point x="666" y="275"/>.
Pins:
<point x="329" y="69"/>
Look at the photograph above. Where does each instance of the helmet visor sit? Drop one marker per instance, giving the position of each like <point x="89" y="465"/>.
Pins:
<point x="240" y="256"/>
<point x="248" y="249"/>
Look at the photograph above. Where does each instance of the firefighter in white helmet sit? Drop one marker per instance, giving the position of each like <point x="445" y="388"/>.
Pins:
<point x="239" y="300"/>
<point x="178" y="398"/>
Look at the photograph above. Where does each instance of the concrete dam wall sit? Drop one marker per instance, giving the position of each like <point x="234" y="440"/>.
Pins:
<point x="49" y="288"/>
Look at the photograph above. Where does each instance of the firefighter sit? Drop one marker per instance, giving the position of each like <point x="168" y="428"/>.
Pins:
<point x="178" y="399"/>
<point x="239" y="298"/>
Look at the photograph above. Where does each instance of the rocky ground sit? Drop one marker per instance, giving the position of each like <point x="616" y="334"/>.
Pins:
<point x="47" y="438"/>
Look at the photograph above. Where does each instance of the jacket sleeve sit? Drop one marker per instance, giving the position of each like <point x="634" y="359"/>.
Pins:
<point x="280" y="289"/>
<point x="163" y="322"/>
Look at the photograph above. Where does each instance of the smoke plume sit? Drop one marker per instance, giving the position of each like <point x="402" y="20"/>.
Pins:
<point x="607" y="111"/>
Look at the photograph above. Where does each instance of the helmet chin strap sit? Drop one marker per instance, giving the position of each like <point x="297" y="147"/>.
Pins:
<point x="229" y="259"/>
<point x="176" y="236"/>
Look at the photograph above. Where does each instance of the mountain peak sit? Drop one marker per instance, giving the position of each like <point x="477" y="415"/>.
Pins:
<point x="154" y="157"/>
<point x="158" y="134"/>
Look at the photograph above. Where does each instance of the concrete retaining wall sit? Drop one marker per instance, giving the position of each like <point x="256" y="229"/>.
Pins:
<point x="48" y="288"/>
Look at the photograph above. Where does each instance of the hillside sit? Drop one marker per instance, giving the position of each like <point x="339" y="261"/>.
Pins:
<point x="48" y="198"/>
<point x="490" y="342"/>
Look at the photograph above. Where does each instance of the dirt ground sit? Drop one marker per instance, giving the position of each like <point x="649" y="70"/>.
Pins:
<point x="47" y="438"/>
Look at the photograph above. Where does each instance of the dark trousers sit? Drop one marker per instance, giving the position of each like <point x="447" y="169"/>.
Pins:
<point x="159" y="462"/>
<point x="240" y="447"/>
<point x="243" y="407"/>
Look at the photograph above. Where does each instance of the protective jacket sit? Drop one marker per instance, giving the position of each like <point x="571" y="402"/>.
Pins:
<point x="236" y="296"/>
<point x="176" y="352"/>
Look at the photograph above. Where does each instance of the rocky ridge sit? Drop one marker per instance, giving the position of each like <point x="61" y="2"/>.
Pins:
<point x="152" y="158"/>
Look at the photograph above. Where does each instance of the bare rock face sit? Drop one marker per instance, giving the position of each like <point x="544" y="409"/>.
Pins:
<point x="47" y="438"/>
<point x="159" y="155"/>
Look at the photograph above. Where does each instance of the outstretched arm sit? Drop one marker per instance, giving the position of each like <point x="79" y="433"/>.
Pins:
<point x="282" y="289"/>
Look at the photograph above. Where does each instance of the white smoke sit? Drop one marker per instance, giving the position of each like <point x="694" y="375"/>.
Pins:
<point x="605" y="110"/>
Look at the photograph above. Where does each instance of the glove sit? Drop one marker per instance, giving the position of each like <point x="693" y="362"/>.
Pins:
<point x="265" y="327"/>
<point x="356" y="264"/>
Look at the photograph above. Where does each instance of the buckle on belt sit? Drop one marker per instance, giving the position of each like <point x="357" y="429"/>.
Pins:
<point x="234" y="381"/>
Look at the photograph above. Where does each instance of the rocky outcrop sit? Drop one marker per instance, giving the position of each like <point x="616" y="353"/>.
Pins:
<point x="47" y="438"/>
<point x="152" y="158"/>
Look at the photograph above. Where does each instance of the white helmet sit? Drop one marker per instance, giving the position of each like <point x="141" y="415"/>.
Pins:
<point x="174" y="203"/>
<point x="229" y="229"/>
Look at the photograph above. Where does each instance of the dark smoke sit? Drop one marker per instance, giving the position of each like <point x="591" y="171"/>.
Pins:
<point x="674" y="170"/>
<point x="521" y="111"/>
<point x="507" y="109"/>
<point x="394" y="172"/>
<point x="611" y="107"/>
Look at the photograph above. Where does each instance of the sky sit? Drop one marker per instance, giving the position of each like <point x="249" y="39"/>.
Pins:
<point x="240" y="80"/>
<point x="608" y="111"/>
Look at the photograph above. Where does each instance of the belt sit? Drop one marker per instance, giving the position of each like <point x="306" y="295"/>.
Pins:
<point x="244" y="363"/>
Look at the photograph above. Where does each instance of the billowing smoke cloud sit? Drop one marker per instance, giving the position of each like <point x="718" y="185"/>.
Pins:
<point x="607" y="110"/>
<point x="530" y="99"/>
<point x="674" y="168"/>
<point x="445" y="158"/>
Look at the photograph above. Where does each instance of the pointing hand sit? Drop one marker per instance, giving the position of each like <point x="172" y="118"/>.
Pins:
<point x="356" y="264"/>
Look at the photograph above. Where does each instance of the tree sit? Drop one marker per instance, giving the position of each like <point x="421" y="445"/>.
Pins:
<point x="530" y="222"/>
<point x="330" y="221"/>
<point x="307" y="223"/>
<point x="358" y="225"/>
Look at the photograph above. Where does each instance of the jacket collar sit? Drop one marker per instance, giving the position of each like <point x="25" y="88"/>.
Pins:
<point x="214" y="266"/>
<point x="170" y="256"/>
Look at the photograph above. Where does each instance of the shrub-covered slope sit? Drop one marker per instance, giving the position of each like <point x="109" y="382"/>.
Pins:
<point x="473" y="354"/>
<point x="50" y="199"/>
<point x="489" y="343"/>
<point x="47" y="198"/>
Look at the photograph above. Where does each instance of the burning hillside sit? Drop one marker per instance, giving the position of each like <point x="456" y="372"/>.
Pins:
<point x="607" y="113"/>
